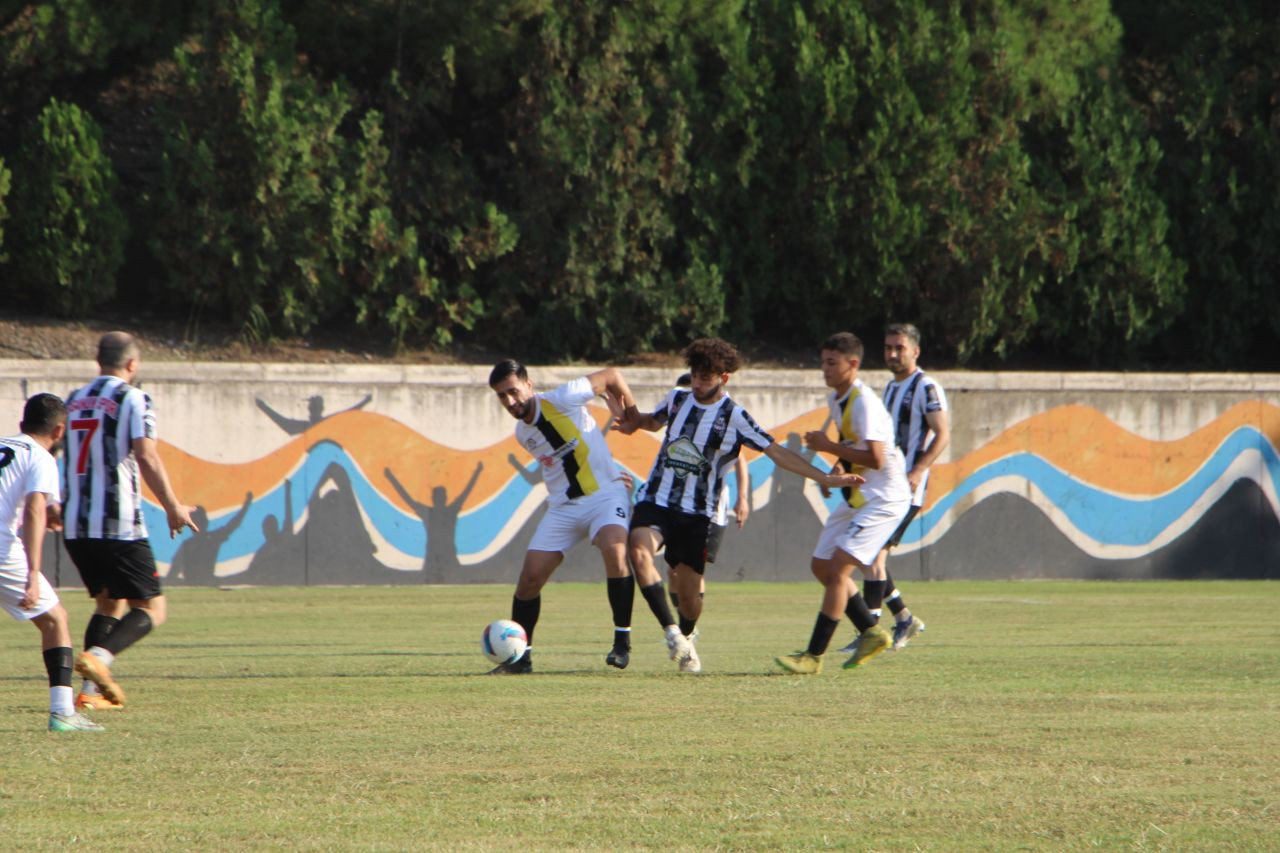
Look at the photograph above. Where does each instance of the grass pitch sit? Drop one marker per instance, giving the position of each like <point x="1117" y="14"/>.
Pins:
<point x="1031" y="715"/>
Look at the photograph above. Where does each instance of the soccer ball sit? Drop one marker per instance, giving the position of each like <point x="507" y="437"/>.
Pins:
<point x="503" y="641"/>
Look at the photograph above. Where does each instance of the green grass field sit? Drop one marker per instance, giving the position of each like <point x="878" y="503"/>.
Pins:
<point x="1030" y="715"/>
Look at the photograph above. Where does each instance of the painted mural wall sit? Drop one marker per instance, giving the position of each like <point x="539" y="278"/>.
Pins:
<point x="381" y="474"/>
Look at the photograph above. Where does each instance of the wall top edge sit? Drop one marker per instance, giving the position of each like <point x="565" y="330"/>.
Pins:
<point x="756" y="378"/>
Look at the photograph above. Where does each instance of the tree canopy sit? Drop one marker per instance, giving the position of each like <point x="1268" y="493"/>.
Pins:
<point x="1069" y="181"/>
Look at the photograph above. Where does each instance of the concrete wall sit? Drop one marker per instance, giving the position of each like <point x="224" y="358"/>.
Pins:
<point x="409" y="474"/>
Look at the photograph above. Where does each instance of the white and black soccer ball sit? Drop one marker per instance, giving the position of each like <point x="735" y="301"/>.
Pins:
<point x="503" y="641"/>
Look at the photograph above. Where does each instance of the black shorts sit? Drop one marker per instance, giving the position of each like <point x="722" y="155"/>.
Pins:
<point x="124" y="568"/>
<point x="902" y="528"/>
<point x="684" y="535"/>
<point x="715" y="536"/>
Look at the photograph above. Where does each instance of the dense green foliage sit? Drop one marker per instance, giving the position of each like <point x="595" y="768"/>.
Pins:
<point x="1075" y="180"/>
<point x="68" y="240"/>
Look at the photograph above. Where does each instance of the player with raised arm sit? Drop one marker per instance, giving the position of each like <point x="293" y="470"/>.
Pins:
<point x="705" y="432"/>
<point x="857" y="529"/>
<point x="28" y="494"/>
<point x="587" y="495"/>
<point x="111" y="439"/>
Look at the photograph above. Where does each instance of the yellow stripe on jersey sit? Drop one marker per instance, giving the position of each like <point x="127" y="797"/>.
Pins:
<point x="852" y="494"/>
<point x="577" y="467"/>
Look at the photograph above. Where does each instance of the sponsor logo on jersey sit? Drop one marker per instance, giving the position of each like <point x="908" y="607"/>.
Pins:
<point x="684" y="459"/>
<point x="559" y="453"/>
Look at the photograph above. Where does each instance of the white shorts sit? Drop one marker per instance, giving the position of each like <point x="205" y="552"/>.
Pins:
<point x="13" y="585"/>
<point x="567" y="524"/>
<point x="861" y="532"/>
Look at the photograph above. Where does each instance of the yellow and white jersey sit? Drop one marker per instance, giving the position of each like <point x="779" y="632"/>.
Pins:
<point x="860" y="417"/>
<point x="564" y="438"/>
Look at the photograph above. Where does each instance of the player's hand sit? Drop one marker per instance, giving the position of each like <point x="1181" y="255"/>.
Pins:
<point x="826" y="493"/>
<point x="914" y="476"/>
<point x="840" y="481"/>
<point x="740" y="511"/>
<point x="30" y="595"/>
<point x="53" y="517"/>
<point x="819" y="441"/>
<point x="180" y="517"/>
<point x="625" y="476"/>
<point x="627" y="422"/>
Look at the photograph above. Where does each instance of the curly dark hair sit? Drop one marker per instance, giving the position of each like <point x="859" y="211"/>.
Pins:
<point x="712" y="355"/>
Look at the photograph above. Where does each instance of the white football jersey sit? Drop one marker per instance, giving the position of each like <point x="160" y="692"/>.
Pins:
<point x="25" y="468"/>
<point x="564" y="437"/>
<point x="861" y="417"/>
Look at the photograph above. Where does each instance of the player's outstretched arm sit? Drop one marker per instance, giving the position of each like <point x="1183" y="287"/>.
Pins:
<point x="794" y="462"/>
<point x="157" y="479"/>
<point x="872" y="457"/>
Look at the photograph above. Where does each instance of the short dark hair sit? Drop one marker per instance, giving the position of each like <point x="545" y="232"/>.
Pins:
<point x="685" y="380"/>
<point x="116" y="348"/>
<point x="844" y="342"/>
<point x="42" y="413"/>
<point x="505" y="368"/>
<point x="712" y="355"/>
<point x="903" y="329"/>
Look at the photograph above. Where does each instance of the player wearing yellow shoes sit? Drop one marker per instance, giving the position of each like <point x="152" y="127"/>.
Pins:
<point x="28" y="492"/>
<point x="869" y="514"/>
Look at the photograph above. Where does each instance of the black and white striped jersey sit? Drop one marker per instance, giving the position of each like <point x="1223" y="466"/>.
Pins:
<point x="698" y="451"/>
<point x="908" y="403"/>
<point x="103" y="490"/>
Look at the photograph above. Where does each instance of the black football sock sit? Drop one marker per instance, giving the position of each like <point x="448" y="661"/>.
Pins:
<point x="135" y="625"/>
<point x="657" y="601"/>
<point x="873" y="594"/>
<point x="687" y="625"/>
<point x="525" y="613"/>
<point x="858" y="612"/>
<point x="823" y="628"/>
<point x="100" y="627"/>
<point x="892" y="597"/>
<point x="622" y="598"/>
<point x="57" y="662"/>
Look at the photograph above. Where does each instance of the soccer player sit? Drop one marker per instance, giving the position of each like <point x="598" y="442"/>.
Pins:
<point x="587" y="496"/>
<point x="856" y="530"/>
<point x="111" y="438"/>
<point x="705" y="431"/>
<point x="28" y="491"/>
<point x="922" y="430"/>
<point x="720" y="523"/>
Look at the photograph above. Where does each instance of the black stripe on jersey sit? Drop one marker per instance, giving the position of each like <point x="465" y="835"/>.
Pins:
<point x="570" y="463"/>
<point x="902" y="429"/>
<point x="111" y="457"/>
<point x="845" y="464"/>
<point x="85" y="481"/>
<point x="708" y="485"/>
<point x="687" y="430"/>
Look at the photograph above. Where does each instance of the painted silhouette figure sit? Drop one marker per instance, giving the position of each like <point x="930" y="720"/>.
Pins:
<point x="196" y="559"/>
<point x="440" y="522"/>
<point x="315" y="414"/>
<point x="533" y="477"/>
<point x="339" y="547"/>
<point x="282" y="555"/>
